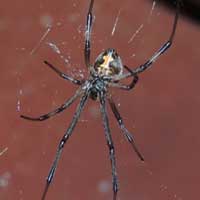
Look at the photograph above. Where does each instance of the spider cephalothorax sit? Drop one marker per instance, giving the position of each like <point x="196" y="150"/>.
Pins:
<point x="98" y="85"/>
<point x="106" y="72"/>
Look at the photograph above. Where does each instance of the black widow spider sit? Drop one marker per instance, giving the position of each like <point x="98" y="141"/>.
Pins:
<point x="106" y="72"/>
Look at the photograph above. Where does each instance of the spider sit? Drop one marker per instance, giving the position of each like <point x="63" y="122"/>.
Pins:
<point x="107" y="71"/>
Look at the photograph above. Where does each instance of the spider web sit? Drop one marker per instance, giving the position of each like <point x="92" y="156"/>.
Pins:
<point x="104" y="186"/>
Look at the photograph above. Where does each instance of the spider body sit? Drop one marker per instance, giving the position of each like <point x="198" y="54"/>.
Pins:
<point x="108" y="63"/>
<point x="107" y="71"/>
<point x="97" y="85"/>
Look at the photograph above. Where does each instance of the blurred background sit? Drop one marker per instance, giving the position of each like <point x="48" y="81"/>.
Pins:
<point x="162" y="112"/>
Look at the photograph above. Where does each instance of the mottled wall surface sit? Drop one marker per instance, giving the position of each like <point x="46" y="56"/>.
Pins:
<point x="162" y="111"/>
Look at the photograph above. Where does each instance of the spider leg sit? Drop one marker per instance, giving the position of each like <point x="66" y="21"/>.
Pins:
<point x="162" y="49"/>
<point x="57" y="110"/>
<point x="110" y="145"/>
<point x="123" y="128"/>
<point x="131" y="85"/>
<point x="63" y="75"/>
<point x="64" y="139"/>
<point x="88" y="35"/>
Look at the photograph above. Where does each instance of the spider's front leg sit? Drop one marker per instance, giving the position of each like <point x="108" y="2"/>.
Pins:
<point x="110" y="144"/>
<point x="57" y="110"/>
<point x="64" y="139"/>
<point x="88" y="35"/>
<point x="123" y="128"/>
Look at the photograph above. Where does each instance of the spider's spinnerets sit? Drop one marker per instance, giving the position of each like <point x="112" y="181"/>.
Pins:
<point x="108" y="63"/>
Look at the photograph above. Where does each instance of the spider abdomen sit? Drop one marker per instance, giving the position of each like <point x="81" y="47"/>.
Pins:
<point x="108" y="63"/>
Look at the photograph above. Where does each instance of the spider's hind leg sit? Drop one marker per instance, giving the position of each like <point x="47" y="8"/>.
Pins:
<point x="165" y="46"/>
<point x="63" y="75"/>
<point x="88" y="35"/>
<point x="129" y="86"/>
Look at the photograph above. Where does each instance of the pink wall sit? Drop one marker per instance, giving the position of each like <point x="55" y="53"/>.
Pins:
<point x="162" y="111"/>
